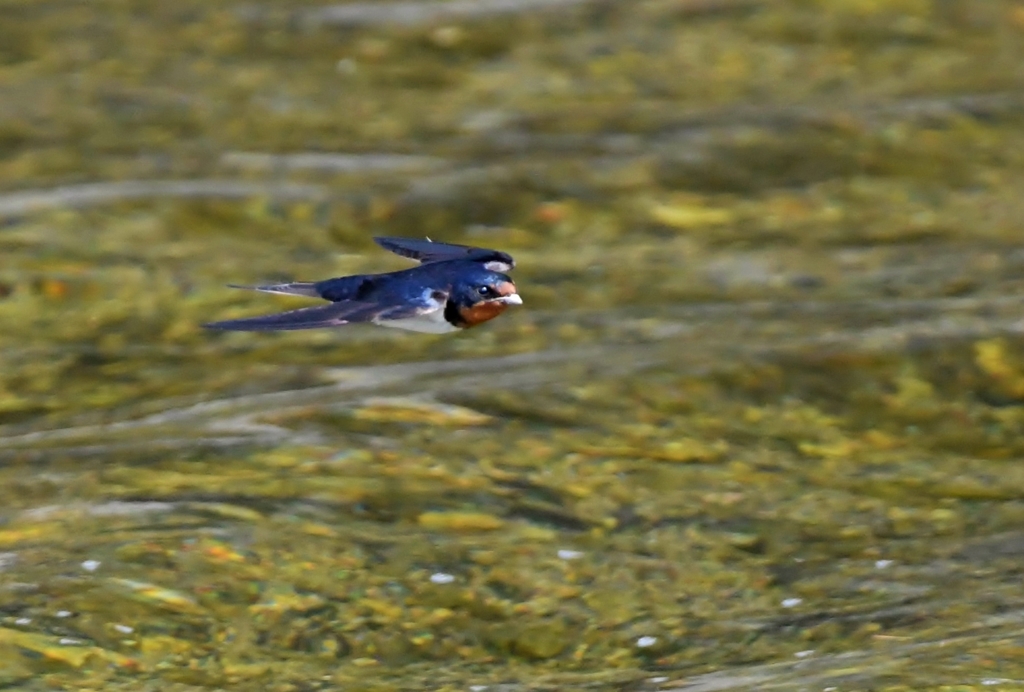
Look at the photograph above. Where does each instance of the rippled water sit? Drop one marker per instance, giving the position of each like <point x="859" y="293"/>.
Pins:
<point x="757" y="425"/>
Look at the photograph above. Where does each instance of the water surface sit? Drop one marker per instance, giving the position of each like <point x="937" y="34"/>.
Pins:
<point x="757" y="425"/>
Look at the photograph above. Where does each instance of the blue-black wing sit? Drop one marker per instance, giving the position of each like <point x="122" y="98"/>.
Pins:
<point x="427" y="251"/>
<point x="333" y="315"/>
<point x="358" y="288"/>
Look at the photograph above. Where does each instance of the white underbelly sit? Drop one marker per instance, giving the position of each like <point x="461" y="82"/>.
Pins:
<point x="429" y="323"/>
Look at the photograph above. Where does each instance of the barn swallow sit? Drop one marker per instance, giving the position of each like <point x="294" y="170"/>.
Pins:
<point x="454" y="287"/>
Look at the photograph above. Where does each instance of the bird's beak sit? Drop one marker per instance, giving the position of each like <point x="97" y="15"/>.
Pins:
<point x="507" y="294"/>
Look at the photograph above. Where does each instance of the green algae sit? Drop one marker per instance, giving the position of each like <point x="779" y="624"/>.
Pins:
<point x="756" y="425"/>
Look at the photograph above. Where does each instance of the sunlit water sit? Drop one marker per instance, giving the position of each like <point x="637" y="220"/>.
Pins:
<point x="757" y="426"/>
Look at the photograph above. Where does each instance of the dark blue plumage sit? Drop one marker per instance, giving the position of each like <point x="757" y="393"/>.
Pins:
<point x="456" y="286"/>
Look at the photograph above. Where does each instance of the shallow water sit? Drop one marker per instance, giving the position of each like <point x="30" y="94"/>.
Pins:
<point x="757" y="425"/>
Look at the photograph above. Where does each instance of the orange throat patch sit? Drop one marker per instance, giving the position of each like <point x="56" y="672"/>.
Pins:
<point x="488" y="309"/>
<point x="481" y="312"/>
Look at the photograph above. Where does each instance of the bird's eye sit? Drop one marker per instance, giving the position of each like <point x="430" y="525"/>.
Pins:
<point x="485" y="290"/>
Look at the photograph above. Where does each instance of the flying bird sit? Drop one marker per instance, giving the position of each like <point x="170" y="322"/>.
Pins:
<point x="454" y="287"/>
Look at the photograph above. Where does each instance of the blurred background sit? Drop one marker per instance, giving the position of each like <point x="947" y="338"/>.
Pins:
<point x="758" y="424"/>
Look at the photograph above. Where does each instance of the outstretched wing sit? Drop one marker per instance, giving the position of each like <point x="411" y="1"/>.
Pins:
<point x="427" y="251"/>
<point x="344" y="288"/>
<point x="296" y="288"/>
<point x="333" y="315"/>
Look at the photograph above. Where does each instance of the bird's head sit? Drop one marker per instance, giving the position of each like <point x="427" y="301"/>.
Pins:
<point x="481" y="297"/>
